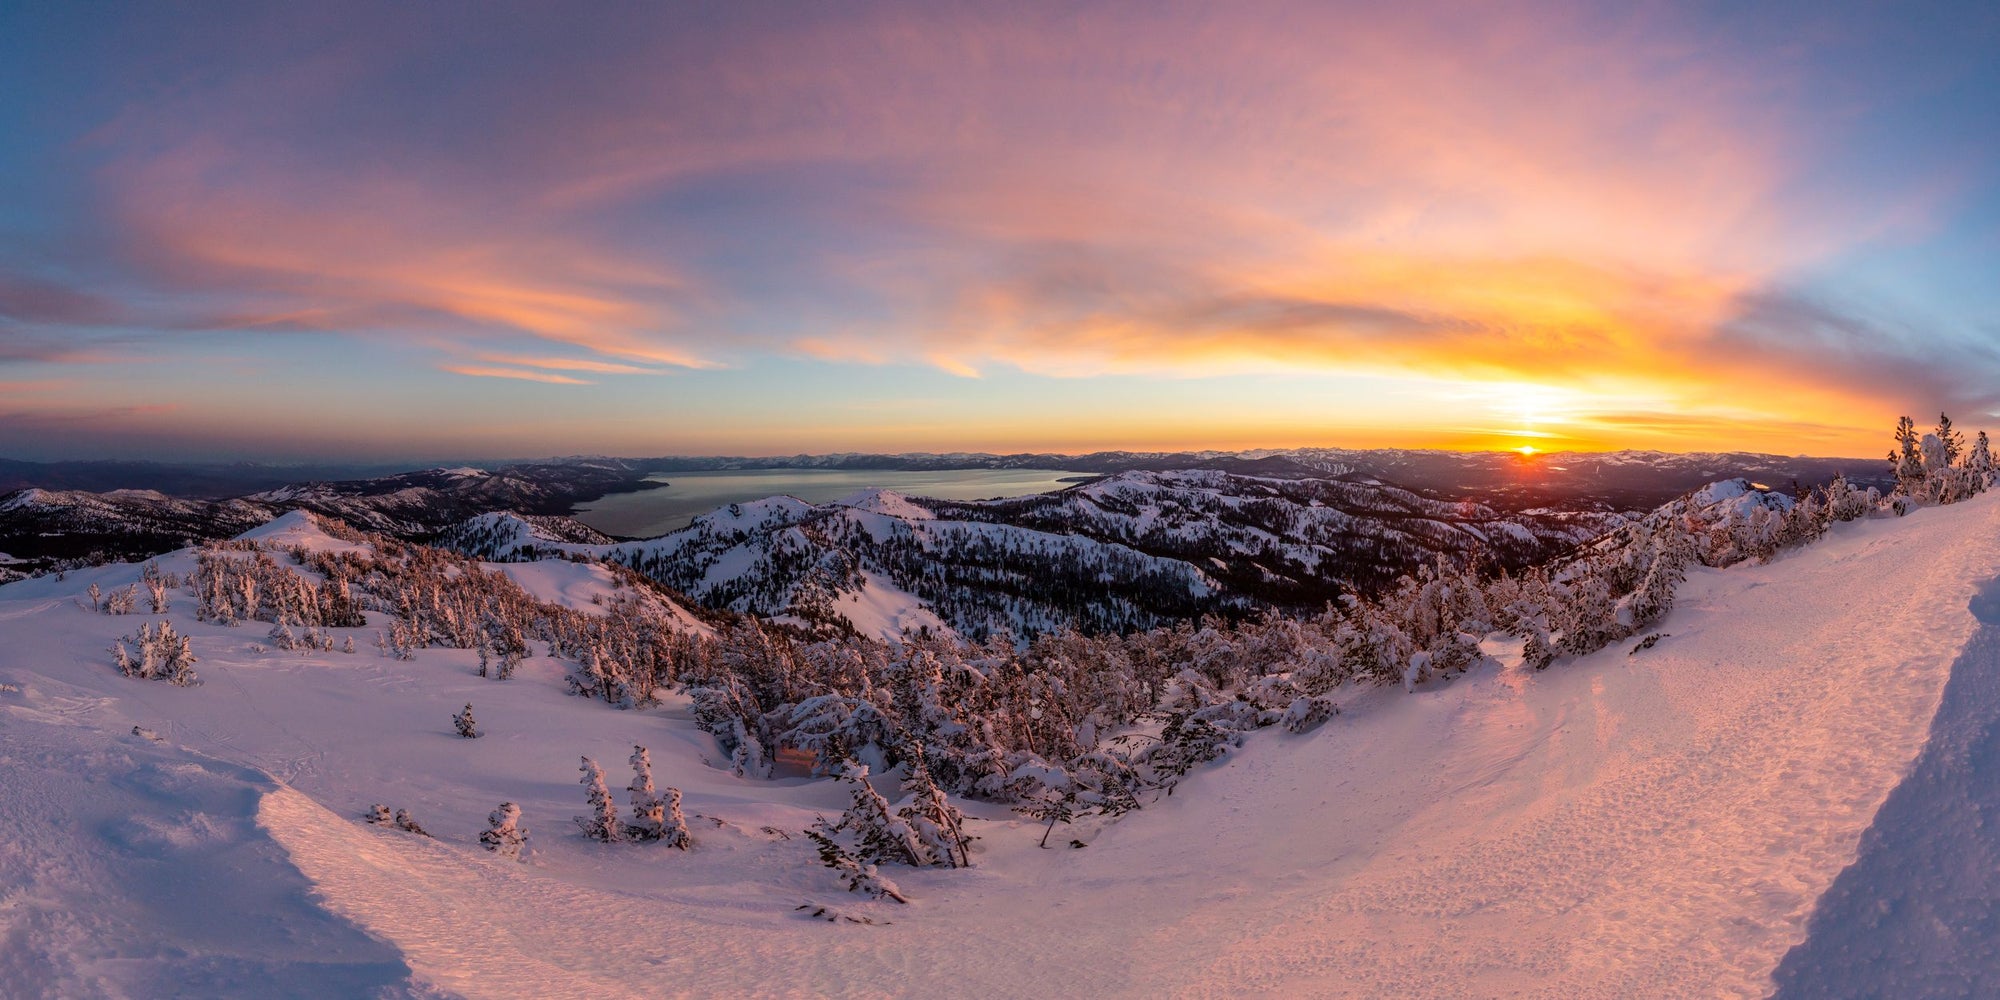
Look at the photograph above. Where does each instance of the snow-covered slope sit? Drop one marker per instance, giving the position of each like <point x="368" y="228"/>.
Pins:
<point x="1131" y="551"/>
<point x="1656" y="824"/>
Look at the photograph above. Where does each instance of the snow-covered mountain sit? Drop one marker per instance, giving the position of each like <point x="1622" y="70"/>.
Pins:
<point x="1657" y="821"/>
<point x="42" y="526"/>
<point x="1133" y="550"/>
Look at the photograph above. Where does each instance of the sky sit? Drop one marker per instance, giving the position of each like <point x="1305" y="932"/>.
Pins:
<point x="446" y="230"/>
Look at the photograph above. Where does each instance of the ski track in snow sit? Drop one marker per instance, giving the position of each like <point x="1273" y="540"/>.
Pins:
<point x="1651" y="825"/>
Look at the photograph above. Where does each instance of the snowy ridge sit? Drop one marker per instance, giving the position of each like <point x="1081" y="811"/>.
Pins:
<point x="1130" y="551"/>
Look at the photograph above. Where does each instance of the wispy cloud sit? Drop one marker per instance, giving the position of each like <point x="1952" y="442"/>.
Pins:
<point x="522" y="374"/>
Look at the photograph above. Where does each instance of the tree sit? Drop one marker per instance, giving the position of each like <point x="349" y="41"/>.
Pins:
<point x="1952" y="441"/>
<point x="468" y="727"/>
<point x="1980" y="459"/>
<point x="406" y="822"/>
<point x="1906" y="462"/>
<point x="377" y="814"/>
<point x="939" y="826"/>
<point x="602" y="823"/>
<point x="880" y="836"/>
<point x="504" y="834"/>
<point x="674" y="830"/>
<point x="648" y="811"/>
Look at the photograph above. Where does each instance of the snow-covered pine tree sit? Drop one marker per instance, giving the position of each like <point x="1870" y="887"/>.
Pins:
<point x="1979" y="460"/>
<point x="1906" y="461"/>
<point x="648" y="811"/>
<point x="1951" y="441"/>
<point x="378" y="814"/>
<point x="468" y="727"/>
<point x="880" y="836"/>
<point x="674" y="828"/>
<point x="602" y="823"/>
<point x="404" y="821"/>
<point x="504" y="835"/>
<point x="857" y="875"/>
<point x="939" y="826"/>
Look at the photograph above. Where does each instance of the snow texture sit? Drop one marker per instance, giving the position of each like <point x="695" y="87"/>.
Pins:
<point x="1659" y="824"/>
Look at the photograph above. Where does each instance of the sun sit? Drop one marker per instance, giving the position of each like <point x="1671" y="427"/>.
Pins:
<point x="1528" y="450"/>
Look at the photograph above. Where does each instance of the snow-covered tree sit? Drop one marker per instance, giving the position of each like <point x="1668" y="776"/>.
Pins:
<point x="674" y="828"/>
<point x="378" y="814"/>
<point x="648" y="811"/>
<point x="406" y="822"/>
<point x="854" y="873"/>
<point x="1906" y="461"/>
<point x="879" y="835"/>
<point x="602" y="823"/>
<point x="504" y="835"/>
<point x="1950" y="442"/>
<point x="1980" y="459"/>
<point x="468" y="727"/>
<point x="939" y="826"/>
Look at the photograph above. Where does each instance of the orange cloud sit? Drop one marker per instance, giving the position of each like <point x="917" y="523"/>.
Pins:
<point x="524" y="375"/>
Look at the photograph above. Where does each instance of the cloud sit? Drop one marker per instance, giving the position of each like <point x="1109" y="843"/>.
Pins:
<point x="524" y="375"/>
<point x="1598" y="197"/>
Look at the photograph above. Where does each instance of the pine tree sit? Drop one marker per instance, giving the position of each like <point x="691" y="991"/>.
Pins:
<point x="674" y="830"/>
<point x="1952" y="441"/>
<point x="854" y="873"/>
<point x="880" y="836"/>
<point x="602" y="823"/>
<point x="938" y="825"/>
<point x="1980" y="459"/>
<point x="504" y="834"/>
<point x="648" y="811"/>
<point x="1906" y="462"/>
<point x="468" y="727"/>
<point x="404" y="821"/>
<point x="378" y="814"/>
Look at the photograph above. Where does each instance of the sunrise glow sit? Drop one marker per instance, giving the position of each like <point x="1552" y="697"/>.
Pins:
<point x="900" y="227"/>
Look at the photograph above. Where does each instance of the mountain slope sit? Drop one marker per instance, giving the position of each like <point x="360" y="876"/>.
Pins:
<point x="1649" y="824"/>
<point x="1133" y="550"/>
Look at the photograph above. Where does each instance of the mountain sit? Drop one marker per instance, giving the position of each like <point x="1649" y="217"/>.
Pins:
<point x="1133" y="550"/>
<point x="1788" y="790"/>
<point x="41" y="527"/>
<point x="1623" y="480"/>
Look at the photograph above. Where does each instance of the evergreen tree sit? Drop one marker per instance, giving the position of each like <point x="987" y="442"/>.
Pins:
<point x="378" y="814"/>
<point x="1980" y="459"/>
<point x="674" y="829"/>
<point x="404" y="821"/>
<point x="1952" y="441"/>
<point x="648" y="811"/>
<point x="938" y="825"/>
<point x="880" y="836"/>
<point x="468" y="727"/>
<point x="602" y="823"/>
<point x="1906" y="462"/>
<point x="504" y="834"/>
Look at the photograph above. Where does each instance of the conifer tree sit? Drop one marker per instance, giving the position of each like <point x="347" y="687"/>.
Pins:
<point x="1953" y="441"/>
<point x="504" y="834"/>
<point x="404" y="821"/>
<point x="602" y="823"/>
<point x="1906" y="461"/>
<point x="674" y="828"/>
<point x="648" y="811"/>
<point x="938" y="825"/>
<point x="468" y="727"/>
<point x="378" y="814"/>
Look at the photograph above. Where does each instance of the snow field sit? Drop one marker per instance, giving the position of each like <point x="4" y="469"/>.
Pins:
<point x="1660" y="824"/>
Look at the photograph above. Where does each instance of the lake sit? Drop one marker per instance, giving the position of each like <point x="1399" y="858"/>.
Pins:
<point x="656" y="512"/>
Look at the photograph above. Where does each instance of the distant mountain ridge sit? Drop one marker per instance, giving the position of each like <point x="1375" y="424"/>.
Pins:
<point x="1134" y="550"/>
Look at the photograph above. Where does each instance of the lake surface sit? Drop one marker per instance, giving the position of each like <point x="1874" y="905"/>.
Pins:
<point x="656" y="512"/>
